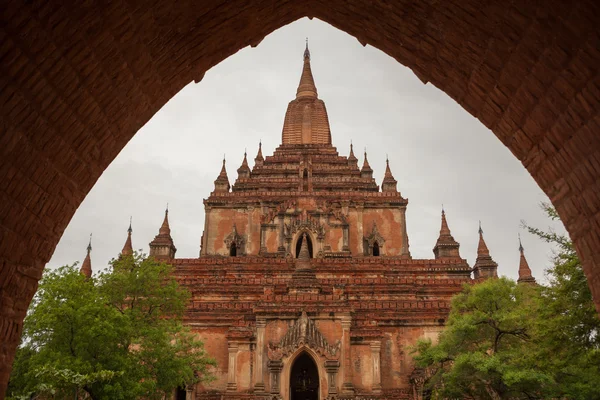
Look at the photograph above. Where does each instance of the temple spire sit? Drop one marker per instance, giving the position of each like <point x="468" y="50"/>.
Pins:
<point x="86" y="266"/>
<point x="389" y="184"/>
<point x="352" y="160"/>
<point x="482" y="249"/>
<point x="244" y="170"/>
<point x="525" y="275"/>
<point x="222" y="181"/>
<point x="128" y="248"/>
<point x="165" y="229"/>
<point x="162" y="246"/>
<point x="485" y="266"/>
<point x="258" y="160"/>
<point x="306" y="88"/>
<point x="446" y="246"/>
<point x="366" y="171"/>
<point x="306" y="120"/>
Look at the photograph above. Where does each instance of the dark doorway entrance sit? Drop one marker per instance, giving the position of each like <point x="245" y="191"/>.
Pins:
<point x="304" y="379"/>
<point x="180" y="395"/>
<point x="375" y="249"/>
<point x="308" y="243"/>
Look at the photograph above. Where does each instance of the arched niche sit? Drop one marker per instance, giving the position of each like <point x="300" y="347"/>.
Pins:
<point x="286" y="372"/>
<point x="309" y="241"/>
<point x="304" y="378"/>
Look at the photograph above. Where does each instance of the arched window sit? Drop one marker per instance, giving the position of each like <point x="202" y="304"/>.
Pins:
<point x="305" y="181"/>
<point x="308" y="244"/>
<point x="233" y="250"/>
<point x="375" y="249"/>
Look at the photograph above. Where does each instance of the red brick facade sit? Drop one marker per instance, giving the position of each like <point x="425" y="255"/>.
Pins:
<point x="79" y="79"/>
<point x="306" y="259"/>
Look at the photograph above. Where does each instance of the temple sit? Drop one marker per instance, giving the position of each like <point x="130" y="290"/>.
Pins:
<point x="305" y="288"/>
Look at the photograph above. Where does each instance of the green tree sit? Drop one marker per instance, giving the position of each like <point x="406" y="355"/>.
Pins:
<point x="567" y="326"/>
<point x="480" y="353"/>
<point x="116" y="336"/>
<point x="520" y="341"/>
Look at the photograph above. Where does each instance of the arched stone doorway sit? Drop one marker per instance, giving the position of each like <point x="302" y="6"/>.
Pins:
<point x="304" y="379"/>
<point x="73" y="97"/>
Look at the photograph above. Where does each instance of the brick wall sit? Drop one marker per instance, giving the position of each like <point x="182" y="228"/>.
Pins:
<point x="78" y="80"/>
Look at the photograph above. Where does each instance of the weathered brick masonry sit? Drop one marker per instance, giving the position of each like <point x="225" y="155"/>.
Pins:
<point x="305" y="288"/>
<point x="78" y="80"/>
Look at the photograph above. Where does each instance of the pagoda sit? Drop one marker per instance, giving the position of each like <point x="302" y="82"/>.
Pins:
<point x="305" y="287"/>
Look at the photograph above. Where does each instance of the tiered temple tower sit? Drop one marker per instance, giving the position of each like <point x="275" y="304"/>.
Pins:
<point x="305" y="287"/>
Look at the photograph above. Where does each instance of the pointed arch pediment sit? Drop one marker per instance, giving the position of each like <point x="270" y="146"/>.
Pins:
<point x="234" y="238"/>
<point x="304" y="332"/>
<point x="374" y="236"/>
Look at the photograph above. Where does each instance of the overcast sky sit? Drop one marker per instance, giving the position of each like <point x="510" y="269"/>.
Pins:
<point x="438" y="152"/>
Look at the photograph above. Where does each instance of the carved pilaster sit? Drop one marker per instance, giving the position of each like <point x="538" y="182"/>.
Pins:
<point x="405" y="250"/>
<point x="376" y="358"/>
<point x="275" y="367"/>
<point x="359" y="210"/>
<point x="259" y="385"/>
<point x="204" y="244"/>
<point x="249" y="229"/>
<point x="332" y="367"/>
<point x="347" y="386"/>
<point x="231" y="367"/>
<point x="263" y="240"/>
<point x="346" y="233"/>
<point x="281" y="247"/>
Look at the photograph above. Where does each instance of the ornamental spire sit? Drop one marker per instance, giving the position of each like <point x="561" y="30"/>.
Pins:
<point x="165" y="229"/>
<point x="525" y="275"/>
<point x="86" y="266"/>
<point x="482" y="249"/>
<point x="222" y="181"/>
<point x="352" y="160"/>
<point x="244" y="170"/>
<point x="366" y="171"/>
<point x="162" y="246"/>
<point x="446" y="246"/>
<point x="128" y="248"/>
<point x="306" y="88"/>
<point x="389" y="184"/>
<point x="485" y="266"/>
<point x="258" y="160"/>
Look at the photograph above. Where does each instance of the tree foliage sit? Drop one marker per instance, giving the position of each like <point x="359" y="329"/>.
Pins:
<point x="118" y="335"/>
<point x="506" y="340"/>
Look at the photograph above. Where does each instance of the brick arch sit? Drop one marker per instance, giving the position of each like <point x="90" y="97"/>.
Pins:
<point x="77" y="81"/>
